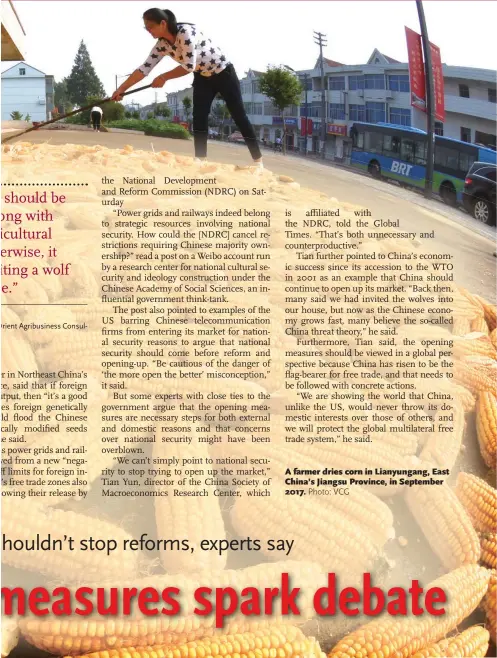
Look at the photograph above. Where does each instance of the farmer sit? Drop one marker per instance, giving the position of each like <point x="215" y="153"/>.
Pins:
<point x="96" y="117"/>
<point x="212" y="71"/>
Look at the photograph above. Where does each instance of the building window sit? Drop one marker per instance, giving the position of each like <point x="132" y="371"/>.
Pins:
<point x="356" y="82"/>
<point x="357" y="113"/>
<point x="375" y="112"/>
<point x="255" y="87"/>
<point x="464" y="91"/>
<point x="491" y="95"/>
<point x="401" y="116"/>
<point x="22" y="71"/>
<point x="465" y="134"/>
<point x="398" y="82"/>
<point x="257" y="108"/>
<point x="336" y="83"/>
<point x="337" y="111"/>
<point x="487" y="139"/>
<point x="306" y="82"/>
<point x="376" y="81"/>
<point x="439" y="128"/>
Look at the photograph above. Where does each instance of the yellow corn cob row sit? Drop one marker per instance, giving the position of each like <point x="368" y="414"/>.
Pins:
<point x="489" y="310"/>
<point x="10" y="634"/>
<point x="77" y="636"/>
<point x="461" y="326"/>
<point x="29" y="292"/>
<point x="489" y="606"/>
<point x="445" y="524"/>
<point x="488" y="543"/>
<point x="327" y="537"/>
<point x="466" y="303"/>
<point x="442" y="448"/>
<point x="479" y="500"/>
<point x="81" y="637"/>
<point x="477" y="374"/>
<point x="471" y="643"/>
<point x="474" y="344"/>
<point x="399" y="638"/>
<point x="81" y="281"/>
<point x="486" y="428"/>
<point x="17" y="353"/>
<point x="177" y="517"/>
<point x="286" y="641"/>
<point x="480" y="324"/>
<point x="67" y="565"/>
<point x="493" y="338"/>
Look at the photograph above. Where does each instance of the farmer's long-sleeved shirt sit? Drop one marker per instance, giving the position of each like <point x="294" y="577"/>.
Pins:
<point x="192" y="50"/>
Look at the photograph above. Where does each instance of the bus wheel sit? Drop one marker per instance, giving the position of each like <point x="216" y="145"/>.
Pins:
<point x="448" y="194"/>
<point x="374" y="169"/>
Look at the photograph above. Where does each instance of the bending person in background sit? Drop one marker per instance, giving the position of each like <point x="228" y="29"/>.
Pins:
<point x="96" y="117"/>
<point x="213" y="74"/>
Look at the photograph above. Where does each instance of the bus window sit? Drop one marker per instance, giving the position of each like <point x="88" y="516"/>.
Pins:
<point x="447" y="158"/>
<point x="407" y="150"/>
<point x="420" y="154"/>
<point x="373" y="142"/>
<point x="391" y="146"/>
<point x="465" y="161"/>
<point x="357" y="138"/>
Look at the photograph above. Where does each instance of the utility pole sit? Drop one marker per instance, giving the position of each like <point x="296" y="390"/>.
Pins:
<point x="306" y="113"/>
<point x="320" y="40"/>
<point x="430" y="105"/>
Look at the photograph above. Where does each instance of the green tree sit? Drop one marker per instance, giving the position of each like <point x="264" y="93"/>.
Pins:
<point x="61" y="97"/>
<point x="220" y="113"/>
<point x="16" y="115"/>
<point x="83" y="81"/>
<point x="283" y="88"/>
<point x="163" y="111"/>
<point x="187" y="106"/>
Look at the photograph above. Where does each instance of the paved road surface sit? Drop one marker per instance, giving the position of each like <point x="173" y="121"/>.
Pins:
<point x="471" y="244"/>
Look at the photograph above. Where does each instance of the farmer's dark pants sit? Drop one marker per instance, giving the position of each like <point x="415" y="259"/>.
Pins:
<point x="205" y="90"/>
<point x="95" y="119"/>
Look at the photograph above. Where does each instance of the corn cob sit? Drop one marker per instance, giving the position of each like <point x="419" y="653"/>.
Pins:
<point x="67" y="565"/>
<point x="461" y="326"/>
<point x="399" y="638"/>
<point x="488" y="543"/>
<point x="30" y="292"/>
<point x="477" y="374"/>
<point x="486" y="428"/>
<point x="98" y="633"/>
<point x="328" y="537"/>
<point x="176" y="517"/>
<point x="489" y="606"/>
<point x="286" y="641"/>
<point x="493" y="338"/>
<point x="479" y="324"/>
<point x="445" y="524"/>
<point x="17" y="353"/>
<point x="479" y="500"/>
<point x="489" y="310"/>
<point x="442" y="448"/>
<point x="10" y="634"/>
<point x="474" y="344"/>
<point x="471" y="643"/>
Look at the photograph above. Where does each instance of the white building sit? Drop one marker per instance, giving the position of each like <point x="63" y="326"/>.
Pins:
<point x="27" y="90"/>
<point x="377" y="91"/>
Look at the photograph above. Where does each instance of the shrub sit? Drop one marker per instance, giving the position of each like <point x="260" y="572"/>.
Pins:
<point x="171" y="130"/>
<point x="16" y="116"/>
<point x="153" y="127"/>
